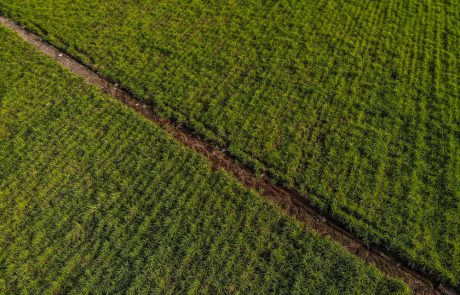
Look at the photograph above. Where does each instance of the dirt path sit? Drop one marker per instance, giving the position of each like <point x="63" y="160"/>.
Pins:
<point x="294" y="204"/>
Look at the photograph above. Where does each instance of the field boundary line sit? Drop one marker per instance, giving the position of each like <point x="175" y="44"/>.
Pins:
<point x="290" y="201"/>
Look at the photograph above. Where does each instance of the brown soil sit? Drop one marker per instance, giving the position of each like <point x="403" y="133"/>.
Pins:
<point x="291" y="202"/>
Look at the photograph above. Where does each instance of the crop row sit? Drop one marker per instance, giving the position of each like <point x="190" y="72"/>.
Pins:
<point x="95" y="199"/>
<point x="353" y="103"/>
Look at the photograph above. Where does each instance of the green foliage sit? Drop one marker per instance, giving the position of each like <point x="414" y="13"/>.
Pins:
<point x="95" y="199"/>
<point x="354" y="103"/>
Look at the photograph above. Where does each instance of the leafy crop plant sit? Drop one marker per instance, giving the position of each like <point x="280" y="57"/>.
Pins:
<point x="353" y="103"/>
<point x="94" y="199"/>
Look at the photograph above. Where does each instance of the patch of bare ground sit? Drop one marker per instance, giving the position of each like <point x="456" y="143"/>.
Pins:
<point x="290" y="201"/>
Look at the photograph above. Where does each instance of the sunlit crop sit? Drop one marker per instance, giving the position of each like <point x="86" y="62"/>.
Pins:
<point x="353" y="103"/>
<point x="95" y="199"/>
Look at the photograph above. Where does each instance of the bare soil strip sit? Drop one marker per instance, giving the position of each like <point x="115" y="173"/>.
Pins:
<point x="291" y="202"/>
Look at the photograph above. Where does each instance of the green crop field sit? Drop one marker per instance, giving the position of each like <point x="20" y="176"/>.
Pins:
<point x="353" y="103"/>
<point x="95" y="199"/>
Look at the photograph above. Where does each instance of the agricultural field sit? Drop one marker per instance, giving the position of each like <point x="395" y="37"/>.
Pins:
<point x="96" y="199"/>
<point x="354" y="104"/>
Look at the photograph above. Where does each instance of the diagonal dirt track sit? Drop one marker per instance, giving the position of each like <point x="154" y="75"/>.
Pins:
<point x="291" y="202"/>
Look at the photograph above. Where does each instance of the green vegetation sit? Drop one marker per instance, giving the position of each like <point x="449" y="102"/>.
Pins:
<point x="94" y="198"/>
<point x="354" y="103"/>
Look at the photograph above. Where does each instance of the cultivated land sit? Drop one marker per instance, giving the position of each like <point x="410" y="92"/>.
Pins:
<point x="94" y="198"/>
<point x="355" y="104"/>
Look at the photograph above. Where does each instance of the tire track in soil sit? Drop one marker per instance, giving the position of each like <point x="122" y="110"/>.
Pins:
<point x="291" y="202"/>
